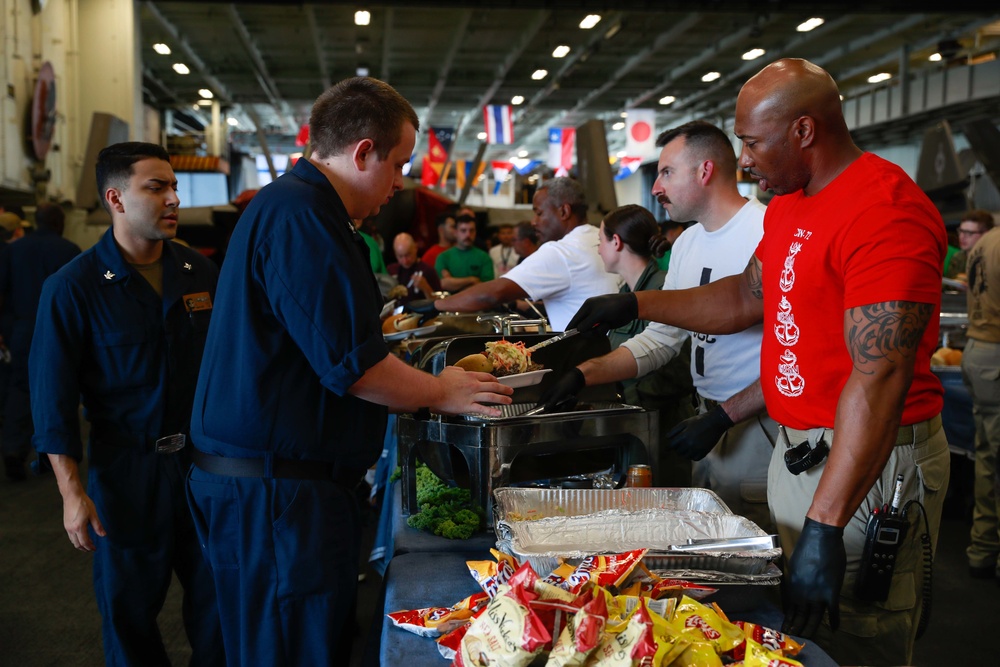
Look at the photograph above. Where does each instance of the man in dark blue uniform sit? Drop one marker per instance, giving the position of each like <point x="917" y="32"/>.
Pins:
<point x="289" y="411"/>
<point x="123" y="327"/>
<point x="23" y="269"/>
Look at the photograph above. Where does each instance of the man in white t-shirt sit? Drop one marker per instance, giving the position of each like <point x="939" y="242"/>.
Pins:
<point x="503" y="253"/>
<point x="565" y="271"/>
<point x="696" y="180"/>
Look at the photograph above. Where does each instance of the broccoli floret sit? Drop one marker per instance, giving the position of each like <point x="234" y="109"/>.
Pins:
<point x="453" y="531"/>
<point x="446" y="511"/>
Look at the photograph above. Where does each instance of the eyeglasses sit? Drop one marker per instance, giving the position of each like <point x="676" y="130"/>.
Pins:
<point x="969" y="232"/>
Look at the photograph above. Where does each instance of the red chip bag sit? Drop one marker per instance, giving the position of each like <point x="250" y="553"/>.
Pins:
<point x="758" y="656"/>
<point x="435" y="621"/>
<point x="772" y="640"/>
<point x="582" y="634"/>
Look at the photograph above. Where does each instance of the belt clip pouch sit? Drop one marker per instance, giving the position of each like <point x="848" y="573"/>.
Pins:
<point x="808" y="454"/>
<point x="169" y="444"/>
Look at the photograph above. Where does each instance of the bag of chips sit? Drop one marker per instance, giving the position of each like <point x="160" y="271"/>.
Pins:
<point x="772" y="640"/>
<point x="714" y="627"/>
<point x="491" y="574"/>
<point x="759" y="656"/>
<point x="435" y="621"/>
<point x="582" y="633"/>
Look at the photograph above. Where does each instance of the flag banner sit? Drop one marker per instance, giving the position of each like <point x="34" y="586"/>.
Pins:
<point x="499" y="120"/>
<point x="640" y="133"/>
<point x="463" y="170"/>
<point x="501" y="170"/>
<point x="562" y="143"/>
<point x="431" y="171"/>
<point x="438" y="142"/>
<point x="527" y="167"/>
<point x="445" y="136"/>
<point x="627" y="166"/>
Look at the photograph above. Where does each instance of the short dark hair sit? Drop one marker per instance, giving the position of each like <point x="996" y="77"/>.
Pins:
<point x="705" y="141"/>
<point x="634" y="225"/>
<point x="441" y="219"/>
<point x="983" y="217"/>
<point x="359" y="108"/>
<point x="114" y="164"/>
<point x="50" y="217"/>
<point x="526" y="231"/>
<point x="565" y="190"/>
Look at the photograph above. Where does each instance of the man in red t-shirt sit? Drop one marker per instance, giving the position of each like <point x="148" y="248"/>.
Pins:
<point x="847" y="283"/>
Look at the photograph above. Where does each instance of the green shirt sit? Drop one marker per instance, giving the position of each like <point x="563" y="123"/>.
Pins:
<point x="378" y="262"/>
<point x="462" y="263"/>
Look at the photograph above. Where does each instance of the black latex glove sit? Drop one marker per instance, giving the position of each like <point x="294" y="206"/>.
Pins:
<point x="600" y="314"/>
<point x="561" y="394"/>
<point x="695" y="437"/>
<point x="423" y="306"/>
<point x="815" y="574"/>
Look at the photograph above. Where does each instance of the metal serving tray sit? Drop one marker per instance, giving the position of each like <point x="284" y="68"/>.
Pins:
<point x="517" y="504"/>
<point x="514" y="411"/>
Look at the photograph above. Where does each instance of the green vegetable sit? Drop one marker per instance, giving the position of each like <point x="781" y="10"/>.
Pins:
<point x="446" y="511"/>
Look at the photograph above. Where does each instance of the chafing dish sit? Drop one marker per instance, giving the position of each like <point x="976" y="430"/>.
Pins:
<point x="485" y="453"/>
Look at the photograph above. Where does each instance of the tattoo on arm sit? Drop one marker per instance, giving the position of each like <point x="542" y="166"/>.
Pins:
<point x="887" y="331"/>
<point x="752" y="275"/>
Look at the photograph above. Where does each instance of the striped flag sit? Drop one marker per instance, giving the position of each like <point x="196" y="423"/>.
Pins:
<point x="562" y="142"/>
<point x="463" y="171"/>
<point x="501" y="170"/>
<point x="627" y="166"/>
<point x="499" y="120"/>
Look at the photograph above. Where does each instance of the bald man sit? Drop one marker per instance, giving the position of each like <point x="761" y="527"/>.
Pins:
<point x="846" y="281"/>
<point x="419" y="278"/>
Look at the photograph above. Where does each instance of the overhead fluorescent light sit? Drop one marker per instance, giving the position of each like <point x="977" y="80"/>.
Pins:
<point x="753" y="54"/>
<point x="810" y="24"/>
<point x="206" y="93"/>
<point x="667" y="99"/>
<point x="361" y="70"/>
<point x="481" y="136"/>
<point x="522" y="153"/>
<point x="162" y="49"/>
<point x="232" y="121"/>
<point x="618" y="126"/>
<point x="935" y="57"/>
<point x="879" y="78"/>
<point x="204" y="103"/>
<point x="624" y="114"/>
<point x="589" y="21"/>
<point x="560" y="51"/>
<point x="539" y="74"/>
<point x="362" y="17"/>
<point x="621" y="154"/>
<point x="181" y="68"/>
<point x="710" y="76"/>
<point x="517" y="99"/>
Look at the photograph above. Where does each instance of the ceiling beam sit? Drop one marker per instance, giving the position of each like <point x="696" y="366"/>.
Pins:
<point x="461" y="26"/>
<point x="264" y="78"/>
<point x="324" y="73"/>
<point x="386" y="41"/>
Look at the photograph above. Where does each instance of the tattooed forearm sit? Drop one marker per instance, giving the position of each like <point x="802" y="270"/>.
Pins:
<point x="753" y="278"/>
<point x="885" y="331"/>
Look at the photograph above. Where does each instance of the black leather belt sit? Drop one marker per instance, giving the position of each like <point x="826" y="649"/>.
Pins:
<point x="280" y="468"/>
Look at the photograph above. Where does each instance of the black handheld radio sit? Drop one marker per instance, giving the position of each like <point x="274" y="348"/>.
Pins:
<point x="886" y="531"/>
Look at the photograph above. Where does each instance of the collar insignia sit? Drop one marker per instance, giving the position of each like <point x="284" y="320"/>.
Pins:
<point x="187" y="266"/>
<point x="108" y="275"/>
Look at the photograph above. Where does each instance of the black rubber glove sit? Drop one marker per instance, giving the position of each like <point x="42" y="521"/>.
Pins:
<point x="815" y="575"/>
<point x="600" y="314"/>
<point x="561" y="394"/>
<point x="695" y="437"/>
<point x="425" y="307"/>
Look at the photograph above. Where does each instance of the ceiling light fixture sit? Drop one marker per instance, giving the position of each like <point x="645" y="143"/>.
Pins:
<point x="204" y="103"/>
<point x="624" y="114"/>
<point x="618" y="126"/>
<point x="517" y="99"/>
<point x="232" y="121"/>
<point x="481" y="136"/>
<point x="879" y="78"/>
<point x="589" y="21"/>
<point x="362" y="70"/>
<point x="621" y="154"/>
<point x="810" y="24"/>
<point x="668" y="99"/>
<point x="935" y="57"/>
<point x="206" y="93"/>
<point x="362" y="17"/>
<point x="560" y="51"/>
<point x="710" y="76"/>
<point x="162" y="49"/>
<point x="181" y="68"/>
<point x="522" y="153"/>
<point x="539" y="74"/>
<point x="753" y="54"/>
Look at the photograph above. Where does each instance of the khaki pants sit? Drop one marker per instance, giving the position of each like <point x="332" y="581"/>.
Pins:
<point x="871" y="633"/>
<point x="737" y="466"/>
<point x="981" y="373"/>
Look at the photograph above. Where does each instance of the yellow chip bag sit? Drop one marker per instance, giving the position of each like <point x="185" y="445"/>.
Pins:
<point x="715" y="629"/>
<point x="758" y="656"/>
<point x="698" y="654"/>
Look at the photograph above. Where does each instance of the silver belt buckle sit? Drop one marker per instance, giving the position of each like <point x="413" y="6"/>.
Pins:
<point x="169" y="444"/>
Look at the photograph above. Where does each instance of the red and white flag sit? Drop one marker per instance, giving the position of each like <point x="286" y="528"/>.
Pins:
<point x="562" y="142"/>
<point x="499" y="120"/>
<point x="640" y="133"/>
<point x="501" y="170"/>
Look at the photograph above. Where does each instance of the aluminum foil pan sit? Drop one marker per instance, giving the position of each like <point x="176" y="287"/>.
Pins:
<point x="518" y="504"/>
<point x="548" y="541"/>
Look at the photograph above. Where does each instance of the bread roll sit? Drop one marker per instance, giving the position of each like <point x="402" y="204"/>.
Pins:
<point x="400" y="322"/>
<point x="475" y="362"/>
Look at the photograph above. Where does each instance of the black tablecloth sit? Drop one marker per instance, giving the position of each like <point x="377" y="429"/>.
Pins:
<point x="417" y="580"/>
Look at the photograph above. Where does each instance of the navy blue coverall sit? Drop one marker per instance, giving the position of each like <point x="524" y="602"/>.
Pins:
<point x="296" y="324"/>
<point x="105" y="337"/>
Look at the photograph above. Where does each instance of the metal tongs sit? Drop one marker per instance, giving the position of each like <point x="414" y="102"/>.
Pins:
<point x="729" y="544"/>
<point x="548" y="341"/>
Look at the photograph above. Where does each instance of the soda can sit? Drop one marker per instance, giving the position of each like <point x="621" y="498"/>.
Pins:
<point x="639" y="475"/>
